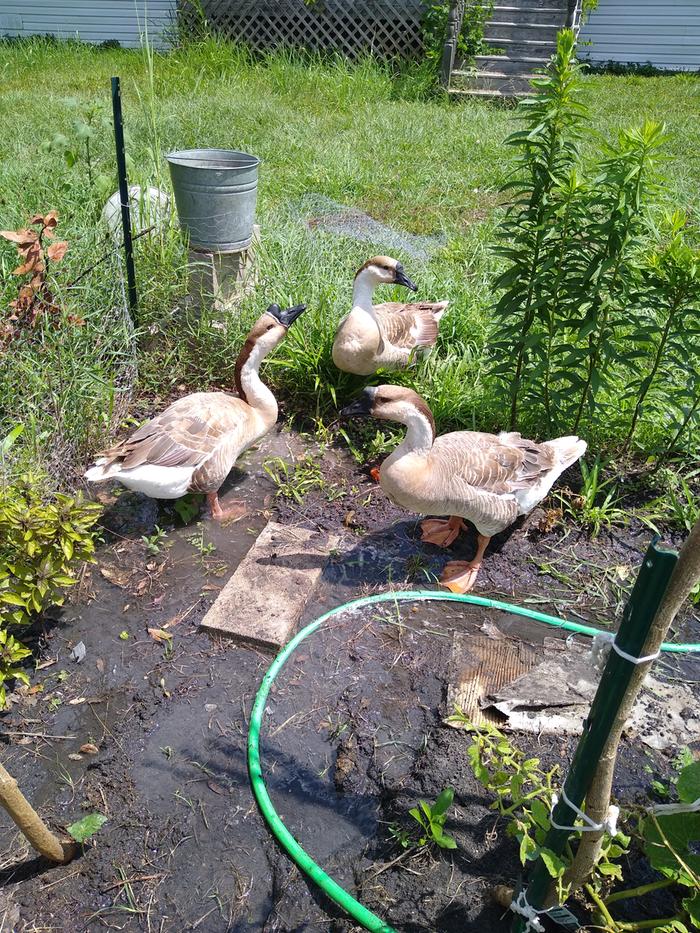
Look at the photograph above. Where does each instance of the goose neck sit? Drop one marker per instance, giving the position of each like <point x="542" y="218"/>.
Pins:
<point x="250" y="386"/>
<point x="362" y="292"/>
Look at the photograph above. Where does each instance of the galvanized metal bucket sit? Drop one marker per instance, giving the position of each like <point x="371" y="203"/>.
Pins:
<point x="215" y="193"/>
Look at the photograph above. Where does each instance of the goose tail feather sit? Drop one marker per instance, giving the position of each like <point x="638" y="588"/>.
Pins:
<point x="101" y="470"/>
<point x="568" y="449"/>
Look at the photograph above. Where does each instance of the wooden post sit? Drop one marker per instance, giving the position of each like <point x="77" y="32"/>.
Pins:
<point x="30" y="823"/>
<point x="454" y="26"/>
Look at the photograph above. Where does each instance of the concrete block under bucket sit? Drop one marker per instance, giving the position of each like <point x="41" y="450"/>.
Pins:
<point x="215" y="195"/>
<point x="220" y="280"/>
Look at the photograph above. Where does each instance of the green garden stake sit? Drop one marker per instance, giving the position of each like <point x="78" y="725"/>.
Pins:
<point x="641" y="608"/>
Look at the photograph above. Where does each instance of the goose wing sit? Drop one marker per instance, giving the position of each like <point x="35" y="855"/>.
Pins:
<point x="498" y="464"/>
<point x="479" y="475"/>
<point x="409" y="325"/>
<point x="187" y="433"/>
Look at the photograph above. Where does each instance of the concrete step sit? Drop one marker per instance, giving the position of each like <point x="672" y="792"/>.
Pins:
<point x="527" y="31"/>
<point x="540" y="15"/>
<point x="561" y="6"/>
<point x="506" y="65"/>
<point x="459" y="92"/>
<point x="519" y="48"/>
<point x="505" y="84"/>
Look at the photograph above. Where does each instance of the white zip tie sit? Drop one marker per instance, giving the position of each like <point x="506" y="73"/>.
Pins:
<point x="668" y="809"/>
<point x="609" y="825"/>
<point x="520" y="906"/>
<point x="604" y="639"/>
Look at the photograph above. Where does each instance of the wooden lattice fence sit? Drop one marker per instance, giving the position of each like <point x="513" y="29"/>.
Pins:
<point x="384" y="27"/>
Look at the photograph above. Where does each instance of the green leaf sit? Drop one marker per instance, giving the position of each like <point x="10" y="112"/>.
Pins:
<point x="444" y="802"/>
<point x="86" y="827"/>
<point x="9" y="440"/>
<point x="540" y="814"/>
<point x="692" y="906"/>
<point x="682" y="830"/>
<point x="554" y="865"/>
<point x="610" y="870"/>
<point x="528" y="849"/>
<point x="689" y="783"/>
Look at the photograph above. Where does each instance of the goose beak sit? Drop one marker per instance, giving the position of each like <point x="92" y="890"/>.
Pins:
<point x="286" y="316"/>
<point x="361" y="407"/>
<point x="401" y="278"/>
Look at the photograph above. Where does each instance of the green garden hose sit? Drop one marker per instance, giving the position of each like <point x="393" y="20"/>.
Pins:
<point x="330" y="887"/>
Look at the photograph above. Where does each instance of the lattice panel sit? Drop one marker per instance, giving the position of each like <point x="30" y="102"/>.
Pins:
<point x="385" y="27"/>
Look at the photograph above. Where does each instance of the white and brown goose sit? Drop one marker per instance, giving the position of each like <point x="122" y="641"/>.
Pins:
<point x="384" y="336"/>
<point x="193" y="445"/>
<point x="488" y="479"/>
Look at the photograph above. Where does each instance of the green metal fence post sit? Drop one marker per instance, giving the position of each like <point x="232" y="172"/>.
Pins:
<point x="639" y="613"/>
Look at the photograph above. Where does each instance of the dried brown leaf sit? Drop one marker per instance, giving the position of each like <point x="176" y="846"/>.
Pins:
<point x="89" y="749"/>
<point x="57" y="250"/>
<point x="19" y="236"/>
<point x="115" y="575"/>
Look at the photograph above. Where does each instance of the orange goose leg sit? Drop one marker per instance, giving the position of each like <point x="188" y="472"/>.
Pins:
<point x="442" y="531"/>
<point x="460" y="575"/>
<point x="236" y="510"/>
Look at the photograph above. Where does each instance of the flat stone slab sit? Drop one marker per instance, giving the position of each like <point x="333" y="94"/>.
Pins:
<point x="263" y="601"/>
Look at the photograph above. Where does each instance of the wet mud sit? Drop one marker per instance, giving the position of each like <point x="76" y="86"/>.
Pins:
<point x="353" y="735"/>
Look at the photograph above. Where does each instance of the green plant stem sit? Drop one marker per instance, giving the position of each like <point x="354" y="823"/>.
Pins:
<point x="669" y="449"/>
<point x="537" y="197"/>
<point x="600" y="904"/>
<point x="595" y="346"/>
<point x="639" y="891"/>
<point x="550" y="326"/>
<point x="654" y="369"/>
<point x="647" y="924"/>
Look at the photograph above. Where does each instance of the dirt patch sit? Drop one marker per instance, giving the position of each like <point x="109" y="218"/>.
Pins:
<point x="353" y="737"/>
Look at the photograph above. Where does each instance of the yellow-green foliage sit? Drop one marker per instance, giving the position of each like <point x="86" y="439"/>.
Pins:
<point x="41" y="545"/>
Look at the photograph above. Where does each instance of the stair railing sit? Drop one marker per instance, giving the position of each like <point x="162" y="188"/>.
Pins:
<point x="573" y="20"/>
<point x="449" y="49"/>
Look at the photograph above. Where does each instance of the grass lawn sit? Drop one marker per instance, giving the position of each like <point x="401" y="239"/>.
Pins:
<point x="351" y="133"/>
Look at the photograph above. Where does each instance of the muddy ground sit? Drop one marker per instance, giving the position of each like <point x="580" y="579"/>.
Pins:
<point x="353" y="737"/>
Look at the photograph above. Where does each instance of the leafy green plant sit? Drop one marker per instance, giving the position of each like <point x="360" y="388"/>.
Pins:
<point x="86" y="827"/>
<point x="432" y="818"/>
<point x="524" y="793"/>
<point x="587" y="506"/>
<point x="470" y="41"/>
<point x="530" y="234"/>
<point x="295" y="480"/>
<point x="671" y="843"/>
<point x="41" y="543"/>
<point x="667" y="296"/>
<point x="154" y="542"/>
<point x="187" y="507"/>
<point x="77" y="148"/>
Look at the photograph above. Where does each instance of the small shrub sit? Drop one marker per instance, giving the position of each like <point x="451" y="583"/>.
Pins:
<point x="41" y="545"/>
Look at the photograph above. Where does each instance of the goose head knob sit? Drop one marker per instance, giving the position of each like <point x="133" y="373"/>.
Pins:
<point x="390" y="403"/>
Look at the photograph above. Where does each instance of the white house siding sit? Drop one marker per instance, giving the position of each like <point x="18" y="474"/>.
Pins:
<point x="663" y="32"/>
<point x="89" y="20"/>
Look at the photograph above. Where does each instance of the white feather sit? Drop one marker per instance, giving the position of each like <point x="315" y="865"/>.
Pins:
<point x="159" y="482"/>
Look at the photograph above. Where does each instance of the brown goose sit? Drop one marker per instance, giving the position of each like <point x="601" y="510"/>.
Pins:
<point x="488" y="479"/>
<point x="194" y="443"/>
<point x="373" y="337"/>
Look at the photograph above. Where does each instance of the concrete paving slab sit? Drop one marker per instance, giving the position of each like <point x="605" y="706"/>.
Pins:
<point x="263" y="601"/>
